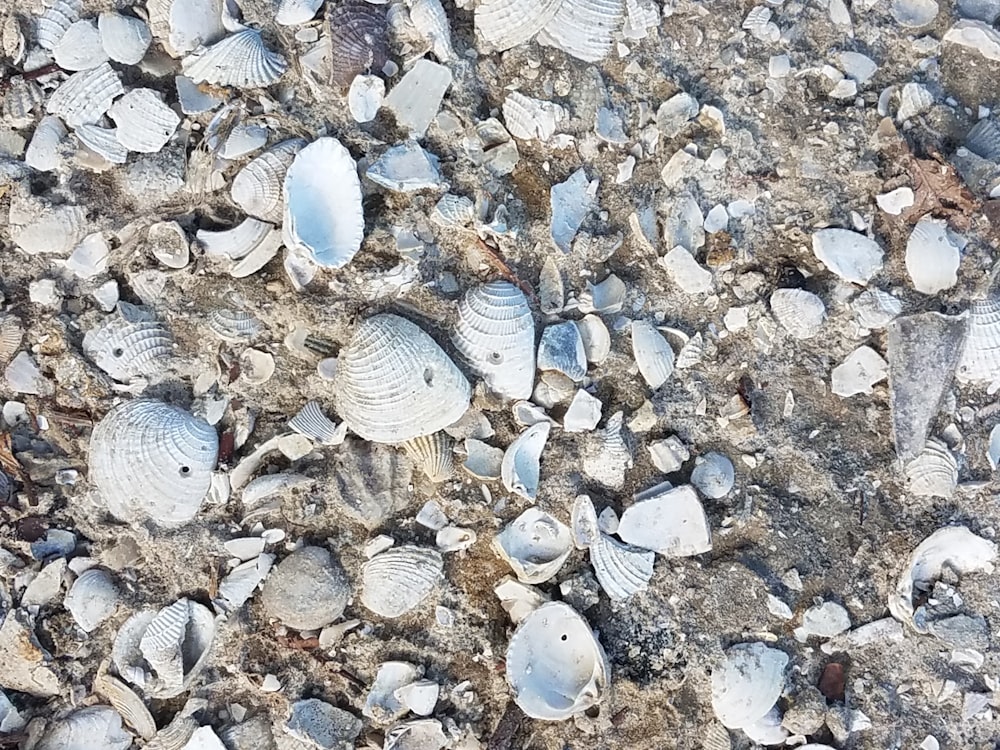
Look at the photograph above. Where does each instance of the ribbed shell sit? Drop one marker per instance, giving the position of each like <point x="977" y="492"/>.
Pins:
<point x="103" y="141"/>
<point x="80" y="47"/>
<point x="176" y="645"/>
<point x="495" y="333"/>
<point x="125" y="39"/>
<point x="127" y="704"/>
<point x="91" y="727"/>
<point x="528" y="118"/>
<point x="799" y="312"/>
<point x="313" y="423"/>
<point x="584" y="28"/>
<point x="11" y="335"/>
<point x="308" y="590"/>
<point x="608" y="457"/>
<point x="236" y="326"/>
<point x="716" y="737"/>
<point x="293" y="12"/>
<point x="434" y="454"/>
<point x="257" y="187"/>
<point x="23" y="98"/>
<point x="52" y="24"/>
<point x="980" y="360"/>
<point x="240" y="60"/>
<point x="652" y="353"/>
<point x="431" y="22"/>
<point x="520" y="469"/>
<point x="561" y="349"/>
<point x="454" y="211"/>
<point x="145" y="123"/>
<point x="507" y="23"/>
<point x="691" y="353"/>
<point x="394" y="383"/>
<point x="43" y="149"/>
<point x="175" y="735"/>
<point x="152" y="460"/>
<point x="934" y="473"/>
<point x="359" y="40"/>
<point x="85" y="96"/>
<point x="620" y="569"/>
<point x="397" y="580"/>
<point x="56" y="230"/>
<point x="237" y="242"/>
<point x="129" y="346"/>
<point x="714" y="476"/>
<point x="984" y="139"/>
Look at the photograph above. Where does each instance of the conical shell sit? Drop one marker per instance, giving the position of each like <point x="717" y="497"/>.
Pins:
<point x="313" y="423"/>
<point x="240" y="60"/>
<point x="145" y="123"/>
<point x="506" y="23"/>
<point x="129" y="345"/>
<point x="799" y="312"/>
<point x="235" y="326"/>
<point x="933" y="473"/>
<point x="152" y="460"/>
<point x="980" y="360"/>
<point x="495" y="334"/>
<point x="257" y="188"/>
<point x="397" y="580"/>
<point x="80" y="47"/>
<point x="652" y="353"/>
<point x="176" y="644"/>
<point x="103" y="142"/>
<point x="125" y="39"/>
<point x="620" y="569"/>
<point x="535" y="545"/>
<point x="394" y="383"/>
<point x="86" y="729"/>
<point x="85" y="96"/>
<point x="584" y="28"/>
<point x="434" y="454"/>
<point x="521" y="469"/>
<point x="52" y="24"/>
<point x="359" y="40"/>
<point x="323" y="214"/>
<point x="748" y="683"/>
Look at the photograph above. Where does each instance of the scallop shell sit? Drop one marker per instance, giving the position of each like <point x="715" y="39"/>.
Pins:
<point x="235" y="326"/>
<point x="748" y="683"/>
<point x="584" y="28"/>
<point x="397" y="580"/>
<point x="92" y="599"/>
<point x="80" y="47"/>
<point x="129" y="705"/>
<point x="183" y="26"/>
<point x="506" y="23"/>
<point x="257" y="188"/>
<point x="55" y="229"/>
<point x="621" y="570"/>
<point x="668" y="520"/>
<point x="555" y="665"/>
<point x="520" y="469"/>
<point x="431" y="22"/>
<point x="980" y="359"/>
<point x="85" y="96"/>
<point x="394" y="383"/>
<point x="152" y="460"/>
<point x="652" y="353"/>
<point x="43" y="149"/>
<point x="454" y="211"/>
<point x="495" y="333"/>
<point x="323" y="214"/>
<point x="434" y="454"/>
<point x="933" y="473"/>
<point x="313" y="423"/>
<point x="125" y="39"/>
<point x="561" y="349"/>
<point x="586" y="531"/>
<point x="103" y="142"/>
<point x="359" y="42"/>
<point x="528" y="118"/>
<point x="535" y="545"/>
<point x="176" y="643"/>
<point x="86" y="728"/>
<point x="799" y="312"/>
<point x="240" y="60"/>
<point x="145" y="123"/>
<point x="713" y="476"/>
<point x="294" y="12"/>
<point x="129" y="345"/>
<point x="52" y="24"/>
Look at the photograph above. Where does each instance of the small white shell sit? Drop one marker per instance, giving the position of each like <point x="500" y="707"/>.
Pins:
<point x="434" y="454"/>
<point x="620" y="569"/>
<point x="240" y="241"/>
<point x="52" y="24"/>
<point x="125" y="39"/>
<point x="294" y="12"/>
<point x="561" y="349"/>
<point x="584" y="28"/>
<point x="748" y="683"/>
<point x="80" y="47"/>
<point x="799" y="312"/>
<point x="713" y="476"/>
<point x="495" y="333"/>
<point x="607" y="456"/>
<point x="103" y="142"/>
<point x="454" y="211"/>
<point x="521" y="468"/>
<point x="431" y="22"/>
<point x="932" y="256"/>
<point x="875" y="308"/>
<point x="240" y="60"/>
<point x="596" y="338"/>
<point x="535" y="545"/>
<point x="145" y="123"/>
<point x="555" y="665"/>
<point x="507" y="23"/>
<point x="236" y="326"/>
<point x="668" y="520"/>
<point x="984" y="139"/>
<point x="586" y="531"/>
<point x="257" y="188"/>
<point x="92" y="598"/>
<point x="256" y="366"/>
<point x="86" y="728"/>
<point x="528" y="118"/>
<point x="169" y="244"/>
<point x="851" y="256"/>
<point x="129" y="345"/>
<point x="933" y="473"/>
<point x="85" y="96"/>
<point x="483" y="461"/>
<point x="397" y="580"/>
<point x="691" y="353"/>
<point x="652" y="353"/>
<point x="365" y="97"/>
<point x="313" y="423"/>
<point x="43" y="149"/>
<point x="980" y="360"/>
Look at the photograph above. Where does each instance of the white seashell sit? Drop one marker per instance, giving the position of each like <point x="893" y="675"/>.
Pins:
<point x="92" y="599"/>
<point x="520" y="469"/>
<point x="980" y="360"/>
<point x="169" y="244"/>
<point x="382" y="704"/>
<point x="406" y="168"/>
<point x="685" y="271"/>
<point x="713" y="476"/>
<point x="535" y="545"/>
<point x="313" y="423"/>
<point x="43" y="149"/>
<point x="495" y="334"/>
<point x="934" y="472"/>
<point x="323" y="214"/>
<point x="863" y="368"/>
<point x="583" y="414"/>
<point x="307" y="590"/>
<point x="90" y="257"/>
<point x="506" y="23"/>
<point x="80" y="47"/>
<point x="586" y="531"/>
<point x="684" y="224"/>
<point x="595" y="337"/>
<point x="103" y="142"/>
<point x="256" y="366"/>
<point x="668" y="520"/>
<point x="241" y="583"/>
<point x="12" y="40"/>
<point x="422" y="734"/>
<point x="652" y="353"/>
<point x="606" y="297"/>
<point x="420" y="696"/>
<point x="875" y="308"/>
<point x="993" y="449"/>
<point x="125" y="39"/>
<point x="240" y="241"/>
<point x="52" y="24"/>
<point x="129" y="345"/>
<point x="145" y="123"/>
<point x="243" y="140"/>
<point x="416" y="99"/>
<point x="85" y="96"/>
<point x="395" y="383"/>
<point x="128" y="705"/>
<point x="317" y="724"/>
<point x="21" y="101"/>
<point x="365" y="96"/>
<point x="176" y="644"/>
<point x="431" y="22"/>
<point x="239" y="60"/>
<point x="551" y="294"/>
<point x="529" y="119"/>
<point x="152" y="460"/>
<point x="914" y="99"/>
<point x="294" y="12"/>
<point x="621" y="570"/>
<point x="192" y="100"/>
<point x="914" y="13"/>
<point x="454" y="211"/>
<point x="482" y="461"/>
<point x="799" y="312"/>
<point x="584" y="28"/>
<point x="716" y="737"/>
<point x="518" y="599"/>
<point x="23" y="376"/>
<point x="397" y="580"/>
<point x="235" y="326"/>
<point x="555" y="665"/>
<point x="561" y="349"/>
<point x="758" y="22"/>
<point x="608" y="457"/>
<point x="691" y="353"/>
<point x="851" y="256"/>
<point x="86" y="729"/>
<point x="932" y="256"/>
<point x="748" y="683"/>
<point x="824" y="620"/>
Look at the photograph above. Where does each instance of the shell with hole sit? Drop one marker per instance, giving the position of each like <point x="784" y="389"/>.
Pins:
<point x="555" y="665"/>
<point x="151" y="460"/>
<point x="397" y="580"/>
<point x="394" y="383"/>
<point x="520" y="469"/>
<point x="433" y="454"/>
<point x="799" y="312"/>
<point x="535" y="545"/>
<point x="130" y="344"/>
<point x="359" y="40"/>
<point x="980" y="359"/>
<point x="652" y="352"/>
<point x="747" y="684"/>
<point x="257" y="188"/>
<point x="241" y="60"/>
<point x="495" y="334"/>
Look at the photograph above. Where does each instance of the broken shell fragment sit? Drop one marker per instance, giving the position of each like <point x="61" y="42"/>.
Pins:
<point x="307" y="590"/>
<point x="294" y="12"/>
<point x="934" y="472"/>
<point x="145" y="123"/>
<point x="241" y="60"/>
<point x="313" y="423"/>
<point x="668" y="520"/>
<point x="621" y="570"/>
<point x="125" y="39"/>
<point x="608" y="456"/>
<point x="86" y="728"/>
<point x="528" y="118"/>
<point x="863" y="368"/>
<point x="507" y="23"/>
<point x="397" y="580"/>
<point x="851" y="256"/>
<point x="235" y="326"/>
<point x="652" y="353"/>
<point x="980" y="359"/>
<point x="92" y="599"/>
<point x="365" y="97"/>
<point x="535" y="545"/>
<point x="169" y="244"/>
<point x="596" y="338"/>
<point x="257" y="188"/>
<point x="434" y="454"/>
<point x="586" y="531"/>
<point x="520" y="469"/>
<point x="85" y="96"/>
<point x="748" y="684"/>
<point x="561" y="349"/>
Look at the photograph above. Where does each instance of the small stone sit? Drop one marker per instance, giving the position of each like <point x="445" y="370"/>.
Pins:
<point x="806" y="713"/>
<point x="778" y="608"/>
<point x="675" y="113"/>
<point x="685" y="271"/>
<point x="307" y="590"/>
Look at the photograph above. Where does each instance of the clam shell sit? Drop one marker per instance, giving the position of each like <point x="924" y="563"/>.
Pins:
<point x="652" y="353"/>
<point x="152" y="460"/>
<point x="129" y="705"/>
<point x="169" y="244"/>
<point x="980" y="359"/>
<point x="92" y="599"/>
<point x="668" y="520"/>
<point x="506" y="23"/>
<point x="235" y="326"/>
<point x="434" y="454"/>
<point x="85" y="96"/>
<point x="621" y="570"/>
<point x="294" y="12"/>
<point x="555" y="665"/>
<point x="323" y="214"/>
<point x="43" y="149"/>
<point x="932" y="256"/>
<point x="713" y="476"/>
<point x="799" y="312"/>
<point x="397" y="580"/>
<point x="241" y="60"/>
<point x="528" y="118"/>
<point x="394" y="383"/>
<point x="454" y="211"/>
<point x="313" y="423"/>
<point x="359" y="40"/>
<point x="129" y="345"/>
<point x="240" y="241"/>
<point x="91" y="727"/>
<point x="103" y="142"/>
<point x="934" y="472"/>
<point x="185" y="25"/>
<point x="257" y="188"/>
<point x="608" y="456"/>
<point x="52" y="24"/>
<point x="176" y="644"/>
<point x="747" y="684"/>
<point x="495" y="334"/>
<point x="520" y="469"/>
<point x="535" y="545"/>
<point x="80" y="47"/>
<point x="596" y="338"/>
<point x="308" y="590"/>
<point x="125" y="39"/>
<point x="561" y="349"/>
<point x="145" y="123"/>
<point x="55" y="229"/>
<point x="584" y="28"/>
<point x="256" y="366"/>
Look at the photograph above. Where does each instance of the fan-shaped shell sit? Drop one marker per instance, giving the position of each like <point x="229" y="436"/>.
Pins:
<point x="620" y="569"/>
<point x="584" y="28"/>
<point x="52" y="24"/>
<point x="431" y="22"/>
<point x="608" y="456"/>
<point x="397" y="580"/>
<point x="933" y="473"/>
<point x="257" y="188"/>
<point x="932" y="256"/>
<point x="293" y="12"/>
<point x="359" y="40"/>
<point x="92" y="598"/>
<point x="145" y="123"/>
<point x="80" y="47"/>
<point x="801" y="313"/>
<point x="495" y="333"/>
<point x="980" y="359"/>
<point x="86" y="729"/>
<point x="323" y="214"/>
<point x="312" y="422"/>
<point x="454" y="211"/>
<point x="103" y="142"/>
<point x="506" y="23"/>
<point x="748" y="683"/>
<point x="236" y="326"/>
<point x="434" y="454"/>
<point x="85" y="96"/>
<point x="555" y="665"/>
<point x="984" y="139"/>
<point x="561" y="349"/>
<point x="521" y="469"/>
<point x="55" y="229"/>
<point x="394" y="383"/>
<point x="307" y="590"/>
<point x="240" y="60"/>
<point x="652" y="353"/>
<point x="152" y="460"/>
<point x="125" y="39"/>
<point x="129" y="345"/>
<point x="535" y="545"/>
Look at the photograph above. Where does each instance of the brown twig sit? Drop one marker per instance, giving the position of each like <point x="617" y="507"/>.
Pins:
<point x="494" y="258"/>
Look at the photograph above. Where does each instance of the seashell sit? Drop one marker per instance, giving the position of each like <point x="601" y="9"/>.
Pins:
<point x="235" y="326"/>
<point x="243" y="140"/>
<point x="241" y="60"/>
<point x="716" y="737"/>
<point x="394" y="383"/>
<point x="583" y="414"/>
<point x="799" y="312"/>
<point x="433" y="454"/>
<point x="518" y="599"/>
<point x="294" y="12"/>
<point x="932" y="256"/>
<point x="584" y="28"/>
<point x="495" y="333"/>
<point x="129" y="345"/>
<point x="84" y="97"/>
<point x="652" y="353"/>
<point x="858" y="373"/>
<point x="241" y="583"/>
<point x="691" y="353"/>
<point x="145" y="123"/>
<point x="152" y="460"/>
<point x="520" y="469"/>
<point x="984" y="140"/>
<point x="92" y="599"/>
<point x="23" y="376"/>
<point x="454" y="539"/>
<point x="125" y="39"/>
<point x="128" y="705"/>
<point x="608" y="457"/>
<point x="21" y="101"/>
<point x="406" y="168"/>
<point x="43" y="149"/>
<point x="454" y="211"/>
<point x="875" y="308"/>
<point x="555" y="665"/>
<point x="529" y="119"/>
<point x="668" y="455"/>
<point x="175" y="643"/>
<point x="240" y="241"/>
<point x="606" y="297"/>
<point x="416" y="99"/>
<point x="52" y="24"/>
<point x="748" y="683"/>
<point x="934" y="472"/>
<point x="551" y="294"/>
<point x="103" y="142"/>
<point x="596" y="338"/>
<point x="980" y="359"/>
<point x="713" y="476"/>
<point x="621" y="570"/>
<point x="176" y="735"/>
<point x="86" y="729"/>
<point x="359" y="40"/>
<point x="80" y="47"/>
<point x="257" y="187"/>
<point x="914" y="99"/>
<point x="307" y="590"/>
<point x="317" y="724"/>
<point x="669" y="520"/>
<point x="12" y="41"/>
<point x="169" y="244"/>
<point x="420" y="734"/>
<point x="561" y="349"/>
<point x="397" y="580"/>
<point x="431" y="22"/>
<point x="506" y="23"/>
<point x="483" y="461"/>
<point x="313" y="423"/>
<point x="11" y="335"/>
<point x="382" y="705"/>
<point x="851" y="256"/>
<point x="535" y="545"/>
<point x="185" y="25"/>
<point x="323" y="214"/>
<point x="586" y="531"/>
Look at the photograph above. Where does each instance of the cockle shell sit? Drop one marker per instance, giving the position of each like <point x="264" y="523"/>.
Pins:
<point x="312" y="422"/>
<point x="236" y="326"/>
<point x="359" y="40"/>
<point x="52" y="24"/>
<point x="555" y="665"/>
<point x="294" y="12"/>
<point x="668" y="520"/>
<point x="86" y="729"/>
<point x="125" y="701"/>
<point x="431" y="22"/>
<point x="535" y="545"/>
<point x="520" y="469"/>
<point x="932" y="256"/>
<point x="241" y="60"/>
<point x="652" y="353"/>
<point x="934" y="472"/>
<point x="307" y="590"/>
<point x="145" y="123"/>
<point x="801" y="313"/>
<point x="980" y="359"/>
<point x="85" y="96"/>
<point x="528" y="118"/>
<point x="584" y="28"/>
<point x="506" y="23"/>
<point x="434" y="454"/>
<point x="92" y="598"/>
<point x="80" y="47"/>
<point x="103" y="142"/>
<point x="125" y="39"/>
<point x="394" y="383"/>
<point x="748" y="683"/>
<point x="323" y="214"/>
<point x="713" y="476"/>
<point x="129" y="345"/>
<point x="397" y="580"/>
<point x="495" y="333"/>
<point x="622" y="570"/>
<point x="257" y="188"/>
<point x="152" y="460"/>
<point x="561" y="349"/>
